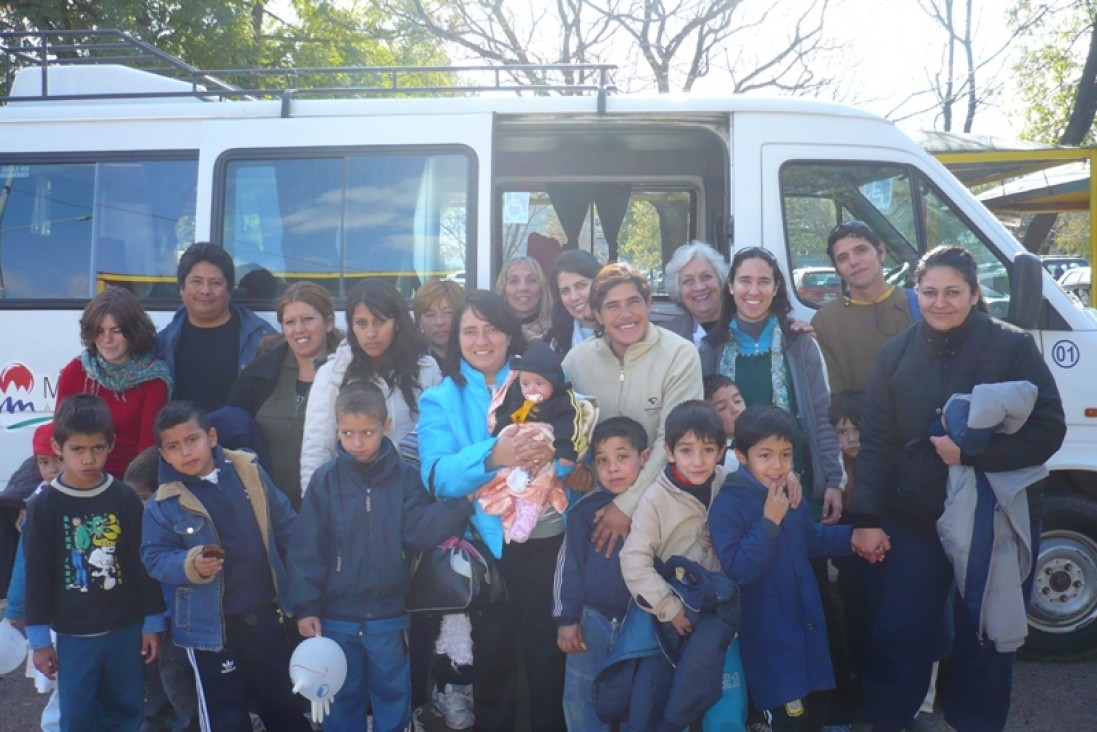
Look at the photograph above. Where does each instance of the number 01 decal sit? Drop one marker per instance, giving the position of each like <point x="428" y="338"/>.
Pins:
<point x="1065" y="354"/>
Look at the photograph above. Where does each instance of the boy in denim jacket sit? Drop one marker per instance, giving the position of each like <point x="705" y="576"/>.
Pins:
<point x="214" y="534"/>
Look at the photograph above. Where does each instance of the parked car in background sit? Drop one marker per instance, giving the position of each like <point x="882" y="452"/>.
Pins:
<point x="1059" y="264"/>
<point x="1076" y="283"/>
<point x="817" y="285"/>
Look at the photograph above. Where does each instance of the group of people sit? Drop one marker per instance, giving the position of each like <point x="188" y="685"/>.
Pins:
<point x="735" y="447"/>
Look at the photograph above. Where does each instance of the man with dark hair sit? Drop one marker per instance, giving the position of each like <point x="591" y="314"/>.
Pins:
<point x="852" y="329"/>
<point x="210" y="339"/>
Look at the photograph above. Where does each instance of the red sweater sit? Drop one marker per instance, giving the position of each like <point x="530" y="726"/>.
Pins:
<point x="133" y="411"/>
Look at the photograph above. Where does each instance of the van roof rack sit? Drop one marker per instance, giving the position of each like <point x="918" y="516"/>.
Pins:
<point x="50" y="49"/>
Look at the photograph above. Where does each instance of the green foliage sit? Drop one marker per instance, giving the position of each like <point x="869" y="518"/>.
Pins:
<point x="640" y="238"/>
<point x="224" y="34"/>
<point x="1050" y="66"/>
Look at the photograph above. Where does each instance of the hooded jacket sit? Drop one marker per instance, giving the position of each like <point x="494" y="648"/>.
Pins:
<point x="783" y="635"/>
<point x="657" y="373"/>
<point x="347" y="557"/>
<point x="318" y="445"/>
<point x="176" y="528"/>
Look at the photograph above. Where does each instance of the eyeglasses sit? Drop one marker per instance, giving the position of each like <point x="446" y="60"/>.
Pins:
<point x="755" y="253"/>
<point x="856" y="228"/>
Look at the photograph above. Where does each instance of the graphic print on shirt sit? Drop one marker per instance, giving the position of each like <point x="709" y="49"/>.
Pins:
<point x="91" y="542"/>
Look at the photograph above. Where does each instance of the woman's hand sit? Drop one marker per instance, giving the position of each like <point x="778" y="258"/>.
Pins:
<point x="801" y="326"/>
<point x="947" y="450"/>
<point x="610" y="526"/>
<point x="531" y="449"/>
<point x="832" y="506"/>
<point x="794" y="490"/>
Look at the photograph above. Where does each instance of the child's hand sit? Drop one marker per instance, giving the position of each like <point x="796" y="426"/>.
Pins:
<point x="206" y="567"/>
<point x="681" y="623"/>
<point x="776" y="504"/>
<point x="150" y="647"/>
<point x="794" y="490"/>
<point x="569" y="639"/>
<point x="45" y="660"/>
<point x="309" y="627"/>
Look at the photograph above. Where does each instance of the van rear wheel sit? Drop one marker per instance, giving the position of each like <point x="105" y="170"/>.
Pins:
<point x="1062" y="616"/>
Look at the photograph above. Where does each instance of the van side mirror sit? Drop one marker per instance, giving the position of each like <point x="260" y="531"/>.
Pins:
<point x="1026" y="291"/>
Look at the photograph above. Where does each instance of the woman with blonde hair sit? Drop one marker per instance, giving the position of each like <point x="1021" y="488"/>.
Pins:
<point x="274" y="388"/>
<point x="523" y="285"/>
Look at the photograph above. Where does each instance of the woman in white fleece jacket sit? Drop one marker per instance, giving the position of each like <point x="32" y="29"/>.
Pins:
<point x="383" y="347"/>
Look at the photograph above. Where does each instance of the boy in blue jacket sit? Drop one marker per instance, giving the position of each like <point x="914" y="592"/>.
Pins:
<point x="590" y="595"/>
<point x="213" y="536"/>
<point x="347" y="573"/>
<point x="765" y="546"/>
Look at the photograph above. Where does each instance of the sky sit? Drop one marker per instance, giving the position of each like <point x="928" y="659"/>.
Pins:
<point x="886" y="46"/>
<point x="898" y="40"/>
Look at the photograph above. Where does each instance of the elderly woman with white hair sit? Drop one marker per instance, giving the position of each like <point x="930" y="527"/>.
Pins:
<point x="694" y="280"/>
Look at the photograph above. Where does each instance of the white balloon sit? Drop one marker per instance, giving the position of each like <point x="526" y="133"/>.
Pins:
<point x="317" y="671"/>
<point x="13" y="648"/>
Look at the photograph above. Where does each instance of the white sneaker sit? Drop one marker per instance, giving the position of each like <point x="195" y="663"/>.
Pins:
<point x="454" y="703"/>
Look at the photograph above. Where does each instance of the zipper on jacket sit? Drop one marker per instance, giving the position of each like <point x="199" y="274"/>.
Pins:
<point x="621" y="389"/>
<point x="368" y="502"/>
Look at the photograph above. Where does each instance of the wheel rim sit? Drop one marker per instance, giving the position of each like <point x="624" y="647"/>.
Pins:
<point x="1064" y="592"/>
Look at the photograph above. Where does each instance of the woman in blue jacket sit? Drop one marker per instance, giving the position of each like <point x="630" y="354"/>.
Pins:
<point x="458" y="455"/>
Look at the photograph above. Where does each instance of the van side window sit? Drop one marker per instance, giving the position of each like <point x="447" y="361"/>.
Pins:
<point x="338" y="218"/>
<point x="69" y="229"/>
<point x="615" y="222"/>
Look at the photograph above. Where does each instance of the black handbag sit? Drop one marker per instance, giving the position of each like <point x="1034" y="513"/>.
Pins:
<point x="456" y="576"/>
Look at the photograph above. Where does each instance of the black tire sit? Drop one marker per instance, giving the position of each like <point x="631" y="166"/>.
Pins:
<point x="1063" y="614"/>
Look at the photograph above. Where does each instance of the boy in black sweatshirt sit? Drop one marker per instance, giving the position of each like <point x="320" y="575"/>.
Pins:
<point x="86" y="581"/>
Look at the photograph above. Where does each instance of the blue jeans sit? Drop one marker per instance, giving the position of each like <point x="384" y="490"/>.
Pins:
<point x="581" y="669"/>
<point x="378" y="675"/>
<point x="101" y="687"/>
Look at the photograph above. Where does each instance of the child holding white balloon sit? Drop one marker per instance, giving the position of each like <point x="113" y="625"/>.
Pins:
<point x="347" y="575"/>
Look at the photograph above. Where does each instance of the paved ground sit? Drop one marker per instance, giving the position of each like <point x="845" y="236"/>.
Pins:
<point x="1047" y="697"/>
